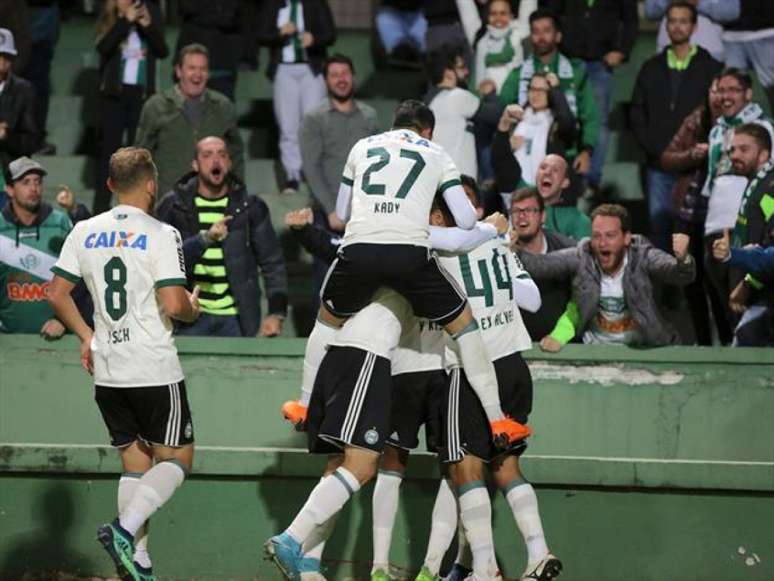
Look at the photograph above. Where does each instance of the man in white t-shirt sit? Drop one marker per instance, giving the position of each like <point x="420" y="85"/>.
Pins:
<point x="133" y="267"/>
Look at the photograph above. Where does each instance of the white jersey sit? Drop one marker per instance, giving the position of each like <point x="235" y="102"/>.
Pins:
<point x="123" y="256"/>
<point x="487" y="275"/>
<point x="394" y="177"/>
<point x="454" y="110"/>
<point x="411" y="344"/>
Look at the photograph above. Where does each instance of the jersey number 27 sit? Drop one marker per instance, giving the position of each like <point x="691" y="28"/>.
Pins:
<point x="383" y="160"/>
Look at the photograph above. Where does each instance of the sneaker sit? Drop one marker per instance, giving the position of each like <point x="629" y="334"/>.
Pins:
<point x="308" y="565"/>
<point x="507" y="431"/>
<point x="426" y="575"/>
<point x="380" y="575"/>
<point x="295" y="413"/>
<point x="144" y="573"/>
<point x="119" y="544"/>
<point x="458" y="573"/>
<point x="545" y="570"/>
<point x="285" y="552"/>
<point x="291" y="187"/>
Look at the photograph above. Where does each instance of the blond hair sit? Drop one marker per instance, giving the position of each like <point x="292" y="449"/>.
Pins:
<point x="130" y="167"/>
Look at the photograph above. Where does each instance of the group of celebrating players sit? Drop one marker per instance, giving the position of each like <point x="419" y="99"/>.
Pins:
<point x="419" y="324"/>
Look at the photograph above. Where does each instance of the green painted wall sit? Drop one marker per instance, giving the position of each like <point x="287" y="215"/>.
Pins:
<point x="650" y="465"/>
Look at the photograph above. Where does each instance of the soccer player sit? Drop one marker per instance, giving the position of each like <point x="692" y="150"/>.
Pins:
<point x="133" y="267"/>
<point x="387" y="190"/>
<point x="491" y="276"/>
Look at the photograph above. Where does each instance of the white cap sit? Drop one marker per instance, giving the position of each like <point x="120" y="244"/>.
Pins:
<point x="7" y="44"/>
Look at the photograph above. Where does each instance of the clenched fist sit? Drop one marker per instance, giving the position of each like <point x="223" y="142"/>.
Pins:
<point x="680" y="245"/>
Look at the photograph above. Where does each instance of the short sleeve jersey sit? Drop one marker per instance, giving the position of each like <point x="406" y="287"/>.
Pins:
<point x="487" y="275"/>
<point x="124" y="256"/>
<point x="394" y="177"/>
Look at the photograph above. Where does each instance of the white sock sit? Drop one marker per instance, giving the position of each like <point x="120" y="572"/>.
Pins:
<point x="327" y="499"/>
<point x="316" y="346"/>
<point x="479" y="370"/>
<point x="315" y="543"/>
<point x="523" y="502"/>
<point x="443" y="526"/>
<point x="384" y="508"/>
<point x="154" y="489"/>
<point x="476" y="517"/>
<point x="127" y="485"/>
<point x="464" y="556"/>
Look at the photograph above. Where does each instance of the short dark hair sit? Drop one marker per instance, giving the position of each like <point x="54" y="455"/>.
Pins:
<point x="542" y="13"/>
<point x="129" y="167"/>
<point x="438" y="62"/>
<point x="614" y="211"/>
<point x="338" y="59"/>
<point x="758" y="132"/>
<point x="193" y="48"/>
<point x="413" y="114"/>
<point x="440" y="205"/>
<point x="687" y="6"/>
<point x="523" y="194"/>
<point x="743" y="77"/>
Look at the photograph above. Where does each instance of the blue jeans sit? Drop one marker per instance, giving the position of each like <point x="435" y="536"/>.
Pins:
<point x="660" y="207"/>
<point x="601" y="78"/>
<point x="396" y="26"/>
<point x="211" y="326"/>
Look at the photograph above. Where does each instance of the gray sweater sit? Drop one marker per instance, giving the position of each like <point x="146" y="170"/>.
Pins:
<point x="326" y="137"/>
<point x="646" y="265"/>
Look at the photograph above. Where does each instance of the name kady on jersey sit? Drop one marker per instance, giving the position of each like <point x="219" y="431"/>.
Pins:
<point x="116" y="239"/>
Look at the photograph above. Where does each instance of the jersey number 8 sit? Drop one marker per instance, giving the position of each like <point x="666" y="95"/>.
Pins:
<point x="115" y="279"/>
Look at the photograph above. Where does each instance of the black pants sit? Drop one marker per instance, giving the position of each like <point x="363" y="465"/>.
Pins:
<point x="720" y="282"/>
<point x="117" y="116"/>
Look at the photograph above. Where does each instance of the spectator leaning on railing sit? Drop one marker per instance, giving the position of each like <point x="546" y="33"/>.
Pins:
<point x="227" y="237"/>
<point x="613" y="276"/>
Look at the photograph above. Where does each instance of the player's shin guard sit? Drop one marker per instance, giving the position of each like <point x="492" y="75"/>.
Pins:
<point x="479" y="370"/>
<point x="443" y="527"/>
<point x="127" y="486"/>
<point x="476" y="517"/>
<point x="326" y="500"/>
<point x="316" y="345"/>
<point x="524" y="504"/>
<point x="154" y="489"/>
<point x="384" y="509"/>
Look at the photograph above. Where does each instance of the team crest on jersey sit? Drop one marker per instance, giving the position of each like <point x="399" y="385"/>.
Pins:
<point x="371" y="437"/>
<point x="119" y="239"/>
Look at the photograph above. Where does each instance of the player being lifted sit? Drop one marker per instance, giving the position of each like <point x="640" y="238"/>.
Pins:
<point x="133" y="267"/>
<point x="385" y="197"/>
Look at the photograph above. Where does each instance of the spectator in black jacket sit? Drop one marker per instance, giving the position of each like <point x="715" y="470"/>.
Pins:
<point x="669" y="87"/>
<point x="601" y="34"/>
<point x="298" y="32"/>
<point x="227" y="237"/>
<point x="750" y="40"/>
<point x="19" y="132"/>
<point x="129" y="40"/>
<point x="220" y="27"/>
<point x="528" y="215"/>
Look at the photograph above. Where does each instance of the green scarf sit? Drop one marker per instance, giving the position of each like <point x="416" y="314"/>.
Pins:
<point x="297" y="47"/>
<point x="506" y="51"/>
<point x="561" y="66"/>
<point x="718" y="161"/>
<point x="740" y="237"/>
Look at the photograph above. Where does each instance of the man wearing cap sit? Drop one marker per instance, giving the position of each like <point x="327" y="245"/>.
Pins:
<point x="31" y="235"/>
<point x="19" y="131"/>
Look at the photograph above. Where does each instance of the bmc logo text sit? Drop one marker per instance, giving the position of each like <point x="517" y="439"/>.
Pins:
<point x="116" y="240"/>
<point x="27" y="292"/>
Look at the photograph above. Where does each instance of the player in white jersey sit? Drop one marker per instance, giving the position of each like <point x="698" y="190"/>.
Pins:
<point x="133" y="267"/>
<point x="491" y="276"/>
<point x="388" y="186"/>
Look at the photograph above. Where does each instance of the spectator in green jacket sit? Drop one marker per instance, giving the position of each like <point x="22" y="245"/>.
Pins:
<point x="173" y="121"/>
<point x="31" y="235"/>
<point x="546" y="35"/>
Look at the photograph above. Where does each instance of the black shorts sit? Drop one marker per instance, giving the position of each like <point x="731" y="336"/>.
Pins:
<point x="350" y="402"/>
<point x="157" y="415"/>
<point x="417" y="399"/>
<point x="412" y="271"/>
<point x="465" y="427"/>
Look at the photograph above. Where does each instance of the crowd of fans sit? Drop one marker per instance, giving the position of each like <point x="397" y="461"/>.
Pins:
<point x="521" y="91"/>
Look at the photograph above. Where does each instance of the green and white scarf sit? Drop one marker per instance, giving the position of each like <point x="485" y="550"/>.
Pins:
<point x="720" y="138"/>
<point x="499" y="49"/>
<point x="561" y="66"/>
<point x="740" y="237"/>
